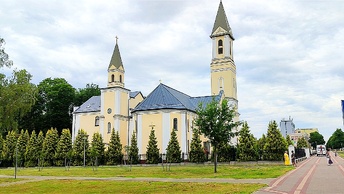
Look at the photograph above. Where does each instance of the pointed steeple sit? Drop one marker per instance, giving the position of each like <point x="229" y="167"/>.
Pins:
<point x="221" y="22"/>
<point x="116" y="57"/>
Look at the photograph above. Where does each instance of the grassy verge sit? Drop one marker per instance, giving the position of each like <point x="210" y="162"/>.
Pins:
<point x="341" y="153"/>
<point x="224" y="171"/>
<point x="9" y="180"/>
<point x="75" y="186"/>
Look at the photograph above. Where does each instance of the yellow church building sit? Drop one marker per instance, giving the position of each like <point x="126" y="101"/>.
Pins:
<point x="165" y="108"/>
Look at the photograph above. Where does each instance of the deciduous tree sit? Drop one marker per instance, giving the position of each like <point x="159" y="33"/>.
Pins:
<point x="216" y="122"/>
<point x="315" y="138"/>
<point x="336" y="140"/>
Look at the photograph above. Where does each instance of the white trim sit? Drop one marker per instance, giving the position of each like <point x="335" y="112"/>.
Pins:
<point x="139" y="133"/>
<point x="183" y="132"/>
<point x="214" y="48"/>
<point x="116" y="125"/>
<point x="166" y="131"/>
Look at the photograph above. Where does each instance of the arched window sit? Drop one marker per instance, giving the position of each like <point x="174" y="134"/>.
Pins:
<point x="175" y="124"/>
<point x="109" y="127"/>
<point x="112" y="78"/>
<point x="96" y="121"/>
<point x="120" y="78"/>
<point x="221" y="83"/>
<point x="220" y="47"/>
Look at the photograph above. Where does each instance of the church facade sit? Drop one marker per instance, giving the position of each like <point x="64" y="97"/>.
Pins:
<point x="165" y="108"/>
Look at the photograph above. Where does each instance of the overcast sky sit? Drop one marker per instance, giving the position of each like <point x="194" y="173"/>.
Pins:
<point x="289" y="54"/>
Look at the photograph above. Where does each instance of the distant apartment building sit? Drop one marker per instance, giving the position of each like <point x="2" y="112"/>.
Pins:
<point x="306" y="132"/>
<point x="287" y="127"/>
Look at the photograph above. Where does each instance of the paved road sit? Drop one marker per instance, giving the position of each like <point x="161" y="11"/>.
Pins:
<point x="312" y="176"/>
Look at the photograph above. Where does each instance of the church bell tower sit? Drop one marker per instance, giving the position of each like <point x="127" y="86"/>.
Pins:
<point x="223" y="70"/>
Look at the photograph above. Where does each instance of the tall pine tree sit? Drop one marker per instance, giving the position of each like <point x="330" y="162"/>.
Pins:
<point x="152" y="152"/>
<point x="32" y="151"/>
<point x="247" y="144"/>
<point x="275" y="144"/>
<point x="114" y="153"/>
<point x="173" y="152"/>
<point x="288" y="140"/>
<point x="134" y="150"/>
<point x="80" y="148"/>
<point x="64" y="147"/>
<point x="97" y="149"/>
<point x="9" y="148"/>
<point x="197" y="154"/>
<point x="21" y="146"/>
<point x="50" y="146"/>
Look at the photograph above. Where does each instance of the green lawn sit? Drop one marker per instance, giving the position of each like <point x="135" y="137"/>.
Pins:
<point x="9" y="180"/>
<point x="196" y="171"/>
<point x="76" y="186"/>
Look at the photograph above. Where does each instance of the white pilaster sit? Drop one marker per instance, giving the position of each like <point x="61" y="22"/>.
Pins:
<point x="166" y="131"/>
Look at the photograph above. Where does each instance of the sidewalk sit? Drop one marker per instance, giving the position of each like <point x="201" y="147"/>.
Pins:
<point x="311" y="176"/>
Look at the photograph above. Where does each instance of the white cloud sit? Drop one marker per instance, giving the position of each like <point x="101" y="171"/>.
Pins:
<point x="288" y="53"/>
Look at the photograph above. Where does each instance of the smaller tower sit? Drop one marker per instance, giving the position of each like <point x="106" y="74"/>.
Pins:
<point x="116" y="69"/>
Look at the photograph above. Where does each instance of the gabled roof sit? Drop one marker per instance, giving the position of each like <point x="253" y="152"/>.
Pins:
<point x="165" y="97"/>
<point x="116" y="59"/>
<point x="221" y="21"/>
<point x="91" y="105"/>
<point x="134" y="94"/>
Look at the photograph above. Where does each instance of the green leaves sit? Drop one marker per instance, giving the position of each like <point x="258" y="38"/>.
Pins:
<point x="134" y="150"/>
<point x="197" y="154"/>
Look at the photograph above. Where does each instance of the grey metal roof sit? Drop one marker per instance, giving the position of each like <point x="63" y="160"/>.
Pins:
<point x="91" y="105"/>
<point x="116" y="59"/>
<point x="165" y="97"/>
<point x="221" y="21"/>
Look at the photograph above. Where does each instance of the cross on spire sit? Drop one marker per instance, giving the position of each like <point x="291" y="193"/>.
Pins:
<point x="116" y="39"/>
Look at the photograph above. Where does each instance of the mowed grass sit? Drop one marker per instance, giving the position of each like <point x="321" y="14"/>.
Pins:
<point x="76" y="186"/>
<point x="9" y="180"/>
<point x="341" y="154"/>
<point x="196" y="171"/>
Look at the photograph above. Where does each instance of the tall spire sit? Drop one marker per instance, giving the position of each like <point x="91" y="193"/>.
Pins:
<point x="116" y="59"/>
<point x="221" y="22"/>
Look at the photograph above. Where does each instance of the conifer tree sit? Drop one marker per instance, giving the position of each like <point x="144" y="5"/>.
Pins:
<point x="247" y="144"/>
<point x="275" y="144"/>
<point x="21" y="146"/>
<point x="2" y="141"/>
<point x="40" y="140"/>
<point x="260" y="146"/>
<point x="114" y="152"/>
<point x="97" y="149"/>
<point x="50" y="146"/>
<point x="32" y="151"/>
<point x="288" y="140"/>
<point x="80" y="147"/>
<point x="134" y="150"/>
<point x="302" y="143"/>
<point x="64" y="148"/>
<point x="197" y="154"/>
<point x="173" y="152"/>
<point x="152" y="153"/>
<point x="9" y="148"/>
